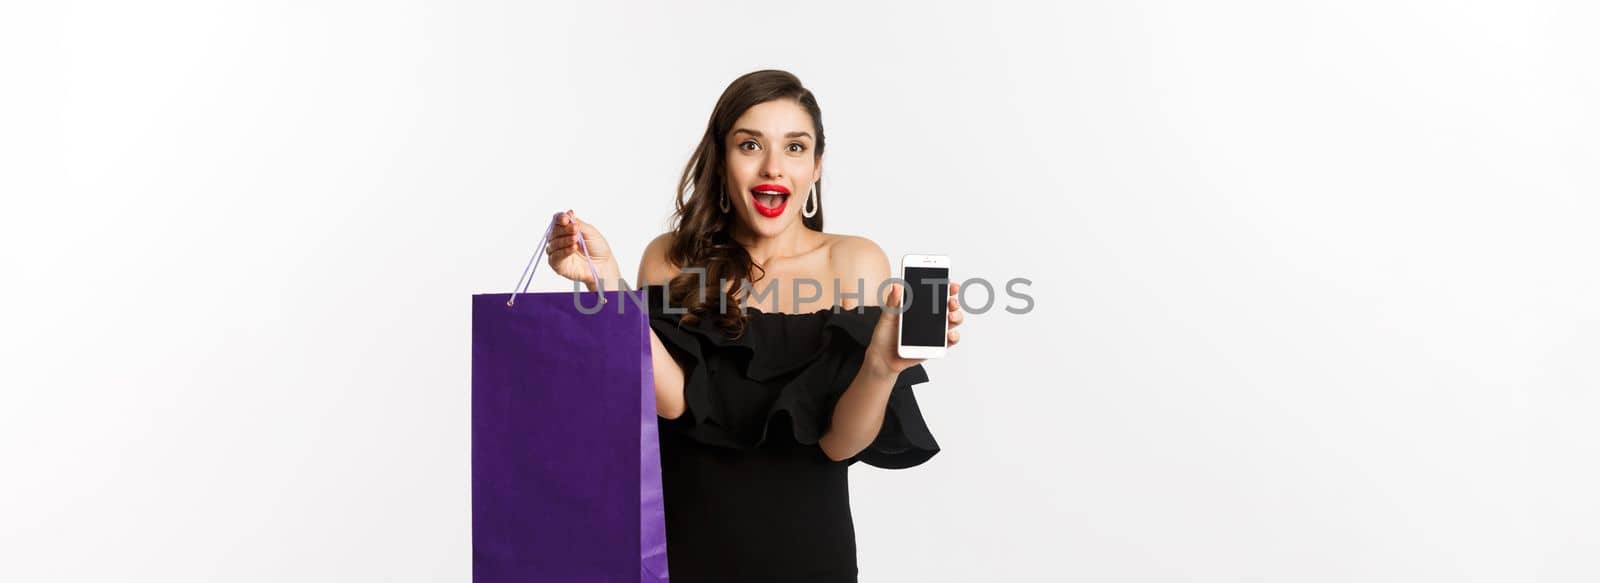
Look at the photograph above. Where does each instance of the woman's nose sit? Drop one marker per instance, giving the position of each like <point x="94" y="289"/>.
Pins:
<point x="772" y="167"/>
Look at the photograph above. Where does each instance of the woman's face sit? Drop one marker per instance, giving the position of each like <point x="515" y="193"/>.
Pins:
<point x="771" y="166"/>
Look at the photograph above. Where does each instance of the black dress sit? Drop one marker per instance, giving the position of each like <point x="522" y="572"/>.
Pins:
<point x="749" y="494"/>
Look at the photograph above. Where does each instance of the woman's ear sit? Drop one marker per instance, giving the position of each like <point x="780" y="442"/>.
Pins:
<point x="817" y="176"/>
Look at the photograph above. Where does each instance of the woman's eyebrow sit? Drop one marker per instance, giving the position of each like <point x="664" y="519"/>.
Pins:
<point x="758" y="134"/>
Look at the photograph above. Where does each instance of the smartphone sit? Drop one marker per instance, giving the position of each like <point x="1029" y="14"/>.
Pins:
<point x="924" y="325"/>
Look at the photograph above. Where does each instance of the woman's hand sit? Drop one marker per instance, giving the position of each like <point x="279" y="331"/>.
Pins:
<point x="883" y="354"/>
<point x="566" y="257"/>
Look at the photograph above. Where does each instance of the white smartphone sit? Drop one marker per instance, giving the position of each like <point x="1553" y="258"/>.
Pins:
<point x="925" y="324"/>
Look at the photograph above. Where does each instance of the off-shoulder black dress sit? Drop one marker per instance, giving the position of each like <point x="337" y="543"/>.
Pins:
<point x="749" y="494"/>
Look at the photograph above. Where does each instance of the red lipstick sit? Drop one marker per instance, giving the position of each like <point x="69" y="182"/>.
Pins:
<point x="776" y="194"/>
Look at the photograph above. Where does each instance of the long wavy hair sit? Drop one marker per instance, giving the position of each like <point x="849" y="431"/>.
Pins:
<point x="702" y="233"/>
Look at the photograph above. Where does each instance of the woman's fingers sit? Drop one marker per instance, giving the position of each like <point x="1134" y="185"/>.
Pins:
<point x="575" y="224"/>
<point x="567" y="240"/>
<point x="956" y="315"/>
<point x="568" y="226"/>
<point x="954" y="305"/>
<point x="561" y="246"/>
<point x="891" y="303"/>
<point x="565" y="224"/>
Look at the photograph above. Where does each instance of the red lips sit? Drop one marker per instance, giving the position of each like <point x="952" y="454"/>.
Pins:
<point x="775" y="194"/>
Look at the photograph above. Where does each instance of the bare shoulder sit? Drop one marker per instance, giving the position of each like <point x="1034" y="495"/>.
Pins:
<point x="859" y="264"/>
<point x="654" y="267"/>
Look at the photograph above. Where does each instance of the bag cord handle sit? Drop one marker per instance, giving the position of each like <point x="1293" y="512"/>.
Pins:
<point x="533" y="262"/>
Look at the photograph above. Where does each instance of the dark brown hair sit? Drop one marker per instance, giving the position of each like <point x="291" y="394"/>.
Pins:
<point x="702" y="234"/>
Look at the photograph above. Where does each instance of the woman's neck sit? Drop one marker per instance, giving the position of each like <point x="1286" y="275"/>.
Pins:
<point x="795" y="240"/>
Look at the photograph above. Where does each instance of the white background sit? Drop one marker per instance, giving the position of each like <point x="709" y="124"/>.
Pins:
<point x="1316" y="283"/>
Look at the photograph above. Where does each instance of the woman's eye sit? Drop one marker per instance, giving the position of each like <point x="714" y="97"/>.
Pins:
<point x="752" y="143"/>
<point x="797" y="147"/>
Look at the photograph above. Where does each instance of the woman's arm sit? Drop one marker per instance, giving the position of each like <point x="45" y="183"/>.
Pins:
<point x="668" y="374"/>
<point x="669" y="380"/>
<point x="858" y="416"/>
<point x="654" y="269"/>
<point x="566" y="258"/>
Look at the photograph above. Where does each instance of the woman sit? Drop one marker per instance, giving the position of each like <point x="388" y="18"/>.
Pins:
<point x="762" y="411"/>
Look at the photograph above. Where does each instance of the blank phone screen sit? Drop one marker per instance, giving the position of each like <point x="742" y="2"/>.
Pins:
<point x="923" y="323"/>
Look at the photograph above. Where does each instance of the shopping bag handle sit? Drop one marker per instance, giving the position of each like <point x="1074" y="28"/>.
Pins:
<point x="533" y="262"/>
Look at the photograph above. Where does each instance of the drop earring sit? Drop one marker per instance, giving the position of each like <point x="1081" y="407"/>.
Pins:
<point x="812" y="204"/>
<point x="722" y="203"/>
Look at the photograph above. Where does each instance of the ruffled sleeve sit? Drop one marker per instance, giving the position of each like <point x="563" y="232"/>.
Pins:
<point x="738" y="392"/>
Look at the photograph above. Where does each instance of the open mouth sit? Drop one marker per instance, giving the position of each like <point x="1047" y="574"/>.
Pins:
<point x="770" y="199"/>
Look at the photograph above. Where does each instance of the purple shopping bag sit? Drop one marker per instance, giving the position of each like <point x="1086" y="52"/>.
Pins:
<point x="566" y="471"/>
